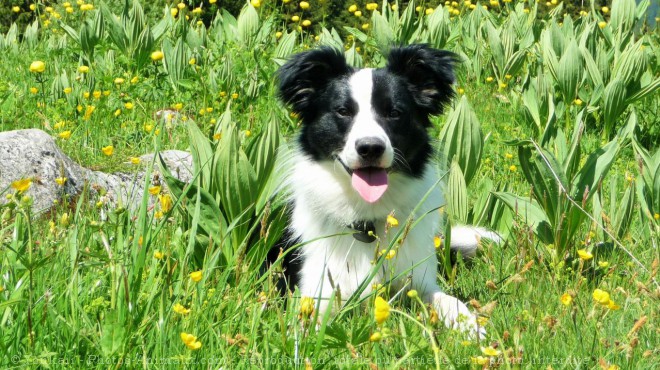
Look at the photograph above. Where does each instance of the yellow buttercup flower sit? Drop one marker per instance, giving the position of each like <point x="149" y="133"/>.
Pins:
<point x="16" y="9"/>
<point x="295" y="18"/>
<point x="255" y="3"/>
<point x="129" y="105"/>
<point x="83" y="69"/>
<point x="585" y="255"/>
<point x="196" y="276"/>
<point x="304" y="5"/>
<point x="437" y="242"/>
<point x="197" y="11"/>
<point x="489" y="79"/>
<point x="577" y="102"/>
<point x="490" y="351"/>
<point x="566" y="299"/>
<point x="429" y="11"/>
<point x="190" y="341"/>
<point x="612" y="306"/>
<point x="108" y="150"/>
<point x="412" y="293"/>
<point x="67" y="90"/>
<point x="365" y="26"/>
<point x="357" y="13"/>
<point x="119" y="81"/>
<point x="603" y="264"/>
<point x="605" y="10"/>
<point x="154" y="190"/>
<point x="306" y="23"/>
<point x="381" y="310"/>
<point x="306" y="306"/>
<point x="158" y="255"/>
<point x="21" y="185"/>
<point x="181" y="6"/>
<point x="388" y="254"/>
<point x="234" y="96"/>
<point x="602" y="24"/>
<point x="157" y="55"/>
<point x="352" y="9"/>
<point x="174" y="12"/>
<point x="656" y="216"/>
<point x="513" y="168"/>
<point x="64" y="135"/>
<point x="392" y="221"/>
<point x="60" y="181"/>
<point x="37" y="66"/>
<point x="376" y="337"/>
<point x="372" y="6"/>
<point x="165" y="202"/>
<point x="278" y="34"/>
<point x="180" y="309"/>
<point x="34" y="90"/>
<point x="135" y="160"/>
<point x="601" y="296"/>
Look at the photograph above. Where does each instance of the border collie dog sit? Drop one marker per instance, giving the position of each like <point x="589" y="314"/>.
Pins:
<point x="363" y="154"/>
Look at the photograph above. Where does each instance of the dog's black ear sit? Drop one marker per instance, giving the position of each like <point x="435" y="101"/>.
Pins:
<point x="308" y="72"/>
<point x="430" y="74"/>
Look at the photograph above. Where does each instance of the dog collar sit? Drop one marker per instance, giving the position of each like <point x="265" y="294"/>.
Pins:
<point x="366" y="231"/>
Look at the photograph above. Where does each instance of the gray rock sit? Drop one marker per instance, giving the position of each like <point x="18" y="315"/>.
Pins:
<point x="34" y="154"/>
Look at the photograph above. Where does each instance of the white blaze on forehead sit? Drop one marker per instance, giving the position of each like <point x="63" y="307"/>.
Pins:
<point x="364" y="123"/>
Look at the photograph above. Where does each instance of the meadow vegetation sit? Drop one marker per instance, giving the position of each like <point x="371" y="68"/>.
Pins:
<point x="552" y="140"/>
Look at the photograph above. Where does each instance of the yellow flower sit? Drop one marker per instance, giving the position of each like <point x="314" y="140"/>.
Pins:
<point x="34" y="90"/>
<point x="460" y="90"/>
<point x="585" y="255"/>
<point x="165" y="202"/>
<point x="69" y="9"/>
<point x="157" y="55"/>
<point x="96" y="94"/>
<point x="656" y="216"/>
<point x="479" y="360"/>
<point x="612" y="306"/>
<point x="60" y="181"/>
<point x="21" y="185"/>
<point x="88" y="112"/>
<point x="255" y="3"/>
<point x="83" y="69"/>
<point x="395" y="7"/>
<point x="196" y="276"/>
<point x="376" y="337"/>
<point x="605" y="10"/>
<point x="180" y="309"/>
<point x="392" y="221"/>
<point x="601" y="296"/>
<point x="67" y="90"/>
<point x="365" y="26"/>
<point x="372" y="6"/>
<point x="16" y="9"/>
<point x="159" y="256"/>
<point x="108" y="150"/>
<point x="248" y="133"/>
<point x="154" y="190"/>
<point x="191" y="341"/>
<point x="513" y="168"/>
<point x="437" y="242"/>
<point x="86" y="94"/>
<point x="357" y="13"/>
<point x="64" y="135"/>
<point x="212" y="1"/>
<point x="278" y="34"/>
<point x="304" y="5"/>
<point x="490" y="351"/>
<point x="37" y="66"/>
<point x="306" y="23"/>
<point x="86" y="7"/>
<point x="117" y="112"/>
<point x="566" y="299"/>
<point x="135" y="160"/>
<point x="192" y="61"/>
<point x="390" y="254"/>
<point x="129" y="105"/>
<point x="508" y="155"/>
<point x="197" y="11"/>
<point x="577" y="102"/>
<point x="603" y="264"/>
<point x="306" y="306"/>
<point x="412" y="293"/>
<point x="174" y="12"/>
<point x="134" y="80"/>
<point x="429" y="11"/>
<point x="119" y="81"/>
<point x="295" y="18"/>
<point x="352" y="9"/>
<point x="489" y="79"/>
<point x="381" y="310"/>
<point x="181" y="6"/>
<point x="502" y="85"/>
<point x="178" y="106"/>
<point x="602" y="24"/>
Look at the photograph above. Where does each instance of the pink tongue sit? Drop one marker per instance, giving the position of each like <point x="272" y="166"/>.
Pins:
<point x="370" y="183"/>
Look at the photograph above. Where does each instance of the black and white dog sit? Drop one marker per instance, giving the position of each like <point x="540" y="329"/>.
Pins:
<point x="363" y="154"/>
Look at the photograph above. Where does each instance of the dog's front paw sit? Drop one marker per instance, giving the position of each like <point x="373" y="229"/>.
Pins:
<point x="456" y="315"/>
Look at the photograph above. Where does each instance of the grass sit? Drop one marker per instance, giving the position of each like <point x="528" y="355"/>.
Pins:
<point x="90" y="285"/>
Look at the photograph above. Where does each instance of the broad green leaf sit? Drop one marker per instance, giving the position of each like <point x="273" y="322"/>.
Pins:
<point x="530" y="213"/>
<point x="594" y="169"/>
<point x="614" y="103"/>
<point x="569" y="71"/>
<point x="461" y="139"/>
<point x="381" y="31"/>
<point x="457" y="203"/>
<point x="248" y="25"/>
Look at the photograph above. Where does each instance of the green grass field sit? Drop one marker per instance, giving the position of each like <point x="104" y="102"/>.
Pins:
<point x="562" y="108"/>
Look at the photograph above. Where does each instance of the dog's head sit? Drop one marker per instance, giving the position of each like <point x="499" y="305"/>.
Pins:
<point x="373" y="121"/>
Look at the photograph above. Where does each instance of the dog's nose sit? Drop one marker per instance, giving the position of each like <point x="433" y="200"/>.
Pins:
<point x="370" y="148"/>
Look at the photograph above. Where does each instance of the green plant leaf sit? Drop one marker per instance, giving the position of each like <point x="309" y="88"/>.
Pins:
<point x="457" y="203"/>
<point x="529" y="212"/>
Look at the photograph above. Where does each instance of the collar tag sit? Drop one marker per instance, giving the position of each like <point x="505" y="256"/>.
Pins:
<point x="363" y="228"/>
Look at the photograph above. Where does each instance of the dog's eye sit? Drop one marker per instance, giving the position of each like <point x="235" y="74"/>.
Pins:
<point x="394" y="113"/>
<point x="344" y="112"/>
